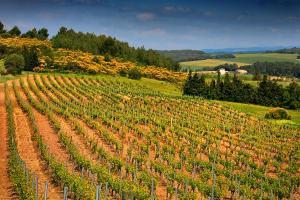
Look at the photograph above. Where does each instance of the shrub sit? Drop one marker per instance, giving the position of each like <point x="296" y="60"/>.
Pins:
<point x="134" y="73"/>
<point x="123" y="72"/>
<point x="107" y="58"/>
<point x="277" y="113"/>
<point x="14" y="64"/>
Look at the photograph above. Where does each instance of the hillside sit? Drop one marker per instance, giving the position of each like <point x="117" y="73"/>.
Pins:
<point x="52" y="59"/>
<point x="184" y="55"/>
<point x="140" y="142"/>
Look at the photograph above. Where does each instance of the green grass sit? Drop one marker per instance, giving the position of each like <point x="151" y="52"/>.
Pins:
<point x="210" y="63"/>
<point x="260" y="111"/>
<point x="263" y="57"/>
<point x="241" y="60"/>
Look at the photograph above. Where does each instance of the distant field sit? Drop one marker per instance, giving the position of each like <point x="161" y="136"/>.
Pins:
<point x="260" y="111"/>
<point x="199" y="64"/>
<point x="263" y="57"/>
<point x="241" y="59"/>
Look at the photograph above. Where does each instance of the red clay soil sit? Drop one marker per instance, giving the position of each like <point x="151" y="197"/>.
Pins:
<point x="29" y="153"/>
<point x="50" y="137"/>
<point x="6" y="190"/>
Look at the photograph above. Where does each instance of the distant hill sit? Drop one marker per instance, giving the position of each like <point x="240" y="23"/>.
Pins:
<point x="184" y="55"/>
<point x="289" y="50"/>
<point x="244" y="50"/>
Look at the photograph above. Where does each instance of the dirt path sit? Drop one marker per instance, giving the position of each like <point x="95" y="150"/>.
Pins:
<point x="6" y="190"/>
<point x="29" y="153"/>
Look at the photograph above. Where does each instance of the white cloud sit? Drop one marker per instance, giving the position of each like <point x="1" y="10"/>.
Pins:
<point x="145" y="16"/>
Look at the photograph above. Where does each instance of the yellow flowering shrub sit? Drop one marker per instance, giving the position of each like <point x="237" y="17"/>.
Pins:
<point x="24" y="42"/>
<point x="73" y="61"/>
<point x="77" y="60"/>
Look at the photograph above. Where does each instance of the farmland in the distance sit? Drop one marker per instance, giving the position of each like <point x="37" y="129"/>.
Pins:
<point x="242" y="59"/>
<point x="200" y="64"/>
<point x="134" y="141"/>
<point x="263" y="57"/>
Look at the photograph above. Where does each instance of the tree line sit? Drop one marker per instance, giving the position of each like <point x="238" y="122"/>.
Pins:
<point x="268" y="92"/>
<point x="274" y="68"/>
<point x="41" y="34"/>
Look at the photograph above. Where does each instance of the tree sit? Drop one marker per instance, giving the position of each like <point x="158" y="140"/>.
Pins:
<point x="134" y="74"/>
<point x="14" y="64"/>
<point x="42" y="34"/>
<point x="293" y="100"/>
<point x="31" y="33"/>
<point x="257" y="75"/>
<point x="187" y="84"/>
<point x="15" y="31"/>
<point x="2" y="30"/>
<point x="31" y="59"/>
<point x="269" y="93"/>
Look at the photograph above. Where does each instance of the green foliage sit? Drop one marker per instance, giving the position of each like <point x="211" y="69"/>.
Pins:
<point x="107" y="58"/>
<point x="41" y="34"/>
<point x="15" y="31"/>
<point x="227" y="67"/>
<point x="185" y="55"/>
<point x="2" y="30"/>
<point x="134" y="74"/>
<point x="277" y="113"/>
<point x="106" y="45"/>
<point x="31" y="58"/>
<point x="268" y="93"/>
<point x="275" y="68"/>
<point x="14" y="64"/>
<point x="123" y="73"/>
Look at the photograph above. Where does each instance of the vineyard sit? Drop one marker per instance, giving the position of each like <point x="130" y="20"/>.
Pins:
<point x="99" y="138"/>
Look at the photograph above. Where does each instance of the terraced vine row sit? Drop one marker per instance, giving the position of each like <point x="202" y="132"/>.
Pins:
<point x="138" y="143"/>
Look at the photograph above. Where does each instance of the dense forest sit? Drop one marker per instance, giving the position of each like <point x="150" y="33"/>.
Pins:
<point x="289" y="50"/>
<point x="274" y="68"/>
<point x="190" y="55"/>
<point x="185" y="55"/>
<point x="268" y="93"/>
<point x="96" y="44"/>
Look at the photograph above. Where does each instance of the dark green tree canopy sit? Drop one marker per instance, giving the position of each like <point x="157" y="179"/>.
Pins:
<point x="15" y="31"/>
<point x="2" y="30"/>
<point x="14" y="64"/>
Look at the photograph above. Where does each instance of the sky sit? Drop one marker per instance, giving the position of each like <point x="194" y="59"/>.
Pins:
<point x="166" y="24"/>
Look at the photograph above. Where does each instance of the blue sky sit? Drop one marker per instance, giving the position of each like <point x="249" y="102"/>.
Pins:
<point x="166" y="24"/>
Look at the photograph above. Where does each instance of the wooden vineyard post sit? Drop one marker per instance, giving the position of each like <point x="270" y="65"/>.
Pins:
<point x="98" y="192"/>
<point x="36" y="187"/>
<point x="106" y="190"/>
<point x="65" y="193"/>
<point x="152" y="189"/>
<point x="46" y="190"/>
